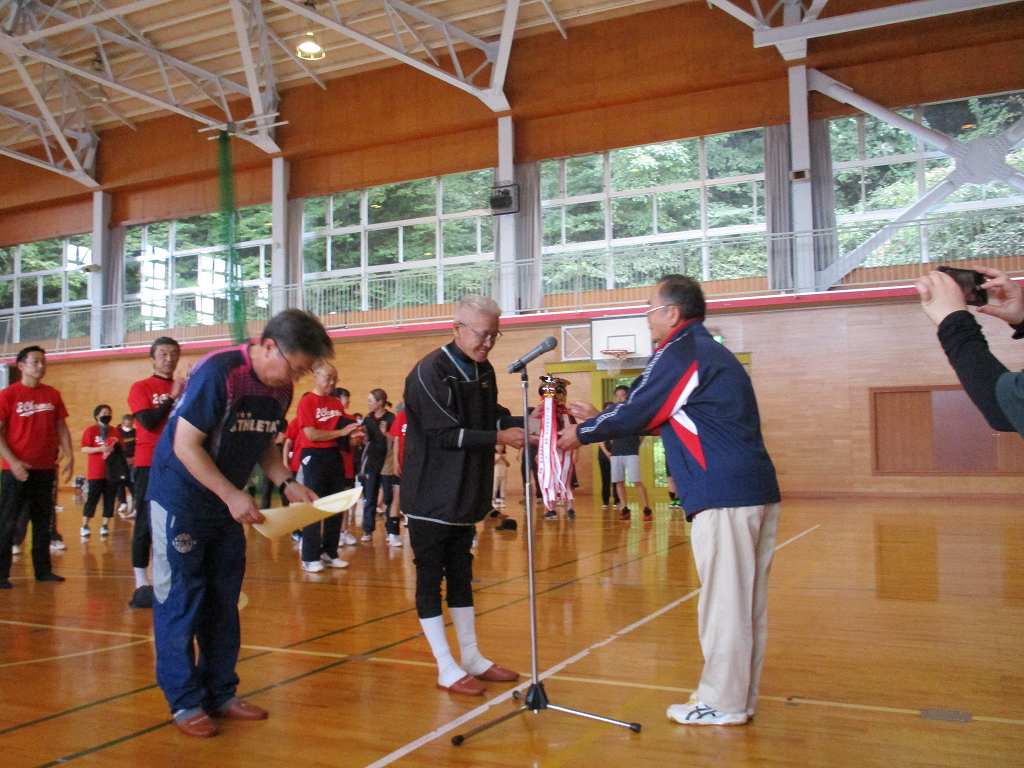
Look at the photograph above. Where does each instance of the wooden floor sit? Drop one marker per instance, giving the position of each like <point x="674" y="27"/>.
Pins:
<point x="896" y="639"/>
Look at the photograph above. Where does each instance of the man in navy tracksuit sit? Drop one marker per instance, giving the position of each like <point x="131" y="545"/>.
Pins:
<point x="224" y="423"/>
<point x="698" y="396"/>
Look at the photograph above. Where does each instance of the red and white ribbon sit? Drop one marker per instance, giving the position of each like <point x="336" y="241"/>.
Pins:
<point x="554" y="466"/>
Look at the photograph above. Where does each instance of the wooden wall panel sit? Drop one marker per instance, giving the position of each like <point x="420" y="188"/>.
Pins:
<point x="812" y="369"/>
<point x="26" y="225"/>
<point x="902" y="429"/>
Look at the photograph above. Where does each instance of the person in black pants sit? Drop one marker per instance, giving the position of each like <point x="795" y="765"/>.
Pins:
<point x="100" y="443"/>
<point x="32" y="427"/>
<point x="127" y="435"/>
<point x="604" y="461"/>
<point x="377" y="424"/>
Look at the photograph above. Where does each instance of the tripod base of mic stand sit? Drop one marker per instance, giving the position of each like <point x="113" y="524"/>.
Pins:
<point x="536" y="700"/>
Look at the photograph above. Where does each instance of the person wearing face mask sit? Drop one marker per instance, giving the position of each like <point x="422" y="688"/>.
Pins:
<point x="99" y="442"/>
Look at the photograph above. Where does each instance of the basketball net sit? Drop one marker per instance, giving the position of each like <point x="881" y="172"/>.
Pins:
<point x="554" y="466"/>
<point x="614" y="359"/>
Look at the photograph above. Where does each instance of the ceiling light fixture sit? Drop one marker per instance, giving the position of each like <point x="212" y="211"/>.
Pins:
<point x="309" y="49"/>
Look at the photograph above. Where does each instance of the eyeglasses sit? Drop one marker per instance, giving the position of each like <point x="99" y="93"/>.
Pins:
<point x="297" y="373"/>
<point x="660" y="306"/>
<point x="494" y="338"/>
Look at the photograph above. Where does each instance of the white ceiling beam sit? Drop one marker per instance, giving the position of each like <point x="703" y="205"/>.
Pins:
<point x="371" y="42"/>
<point x="738" y="13"/>
<point x="850" y="22"/>
<point x="499" y="66"/>
<point x="557" y="21"/>
<point x="814" y="11"/>
<point x="262" y="100"/>
<point x="88" y="20"/>
<point x="152" y="51"/>
<point x="47" y="115"/>
<point x="81" y="178"/>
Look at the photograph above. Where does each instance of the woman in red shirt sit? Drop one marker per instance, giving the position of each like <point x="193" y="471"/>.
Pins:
<point x="99" y="442"/>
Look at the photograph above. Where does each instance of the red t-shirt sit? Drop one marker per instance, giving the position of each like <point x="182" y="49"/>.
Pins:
<point x="294" y="434"/>
<point x="31" y="415"/>
<point x="144" y="395"/>
<point x="397" y="431"/>
<point x="97" y="469"/>
<point x="319" y="412"/>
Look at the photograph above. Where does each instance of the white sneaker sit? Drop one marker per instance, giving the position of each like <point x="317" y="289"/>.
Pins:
<point x="348" y="539"/>
<point x="122" y="507"/>
<point x="15" y="549"/>
<point x="314" y="566"/>
<point x="394" y="540"/>
<point x="104" y="531"/>
<point x="701" y="714"/>
<point x="85" y="532"/>
<point x="58" y="508"/>
<point x="333" y="562"/>
<point x="58" y="546"/>
<point x="365" y="538"/>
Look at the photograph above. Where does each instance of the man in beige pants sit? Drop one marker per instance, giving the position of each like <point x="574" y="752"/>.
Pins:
<point x="695" y="393"/>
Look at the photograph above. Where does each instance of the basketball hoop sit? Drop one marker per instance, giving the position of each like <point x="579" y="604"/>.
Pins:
<point x="614" y="359"/>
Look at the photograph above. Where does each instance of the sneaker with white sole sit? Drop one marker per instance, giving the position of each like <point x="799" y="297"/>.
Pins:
<point x="699" y="713"/>
<point x="58" y="546"/>
<point x="348" y="539"/>
<point x="15" y="549"/>
<point x="366" y="538"/>
<point x="394" y="540"/>
<point x="104" y="530"/>
<point x="333" y="562"/>
<point x="121" y="507"/>
<point x="85" y="532"/>
<point x="314" y="566"/>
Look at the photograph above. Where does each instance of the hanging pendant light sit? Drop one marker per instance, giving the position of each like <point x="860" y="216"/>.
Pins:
<point x="309" y="48"/>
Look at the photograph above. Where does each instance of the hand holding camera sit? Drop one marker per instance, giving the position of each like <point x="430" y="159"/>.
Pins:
<point x="949" y="290"/>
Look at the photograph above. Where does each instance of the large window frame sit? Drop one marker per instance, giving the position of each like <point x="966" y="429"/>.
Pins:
<point x="704" y="184"/>
<point x="404" y="267"/>
<point x="47" y="316"/>
<point x="164" y="296"/>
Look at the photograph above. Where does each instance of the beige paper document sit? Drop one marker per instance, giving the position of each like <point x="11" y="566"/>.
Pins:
<point x="283" y="520"/>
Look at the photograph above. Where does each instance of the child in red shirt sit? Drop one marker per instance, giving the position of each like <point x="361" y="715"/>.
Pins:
<point x="99" y="442"/>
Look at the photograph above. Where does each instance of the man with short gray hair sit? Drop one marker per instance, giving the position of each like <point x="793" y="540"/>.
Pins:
<point x="454" y="422"/>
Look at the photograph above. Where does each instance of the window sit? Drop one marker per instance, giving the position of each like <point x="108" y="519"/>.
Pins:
<point x="172" y="268"/>
<point x="622" y="215"/>
<point x="371" y="235"/>
<point x="38" y="280"/>
<point x="879" y="170"/>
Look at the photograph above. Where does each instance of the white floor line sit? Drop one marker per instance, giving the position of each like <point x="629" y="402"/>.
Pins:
<point x="426" y="738"/>
<point x="105" y="649"/>
<point x="75" y="629"/>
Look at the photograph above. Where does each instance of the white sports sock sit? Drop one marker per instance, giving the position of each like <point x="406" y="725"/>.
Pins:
<point x="448" y="672"/>
<point x="465" y="629"/>
<point x="140" y="578"/>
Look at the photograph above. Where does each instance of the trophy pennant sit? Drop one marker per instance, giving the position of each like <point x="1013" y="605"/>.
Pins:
<point x="554" y="466"/>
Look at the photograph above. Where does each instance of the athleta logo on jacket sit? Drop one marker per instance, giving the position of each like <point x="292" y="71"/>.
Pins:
<point x="246" y="422"/>
<point x="29" y="408"/>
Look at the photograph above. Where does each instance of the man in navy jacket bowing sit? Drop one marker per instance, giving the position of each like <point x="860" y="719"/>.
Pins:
<point x="695" y="393"/>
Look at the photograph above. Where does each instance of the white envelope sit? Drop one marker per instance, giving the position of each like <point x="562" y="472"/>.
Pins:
<point x="283" y="520"/>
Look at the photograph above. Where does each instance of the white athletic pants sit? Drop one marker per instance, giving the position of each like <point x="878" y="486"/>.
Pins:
<point x="733" y="549"/>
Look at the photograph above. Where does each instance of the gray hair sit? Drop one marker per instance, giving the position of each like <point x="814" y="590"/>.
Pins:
<point x="477" y="304"/>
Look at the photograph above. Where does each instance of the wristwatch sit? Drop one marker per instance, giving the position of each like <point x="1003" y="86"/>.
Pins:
<point x="285" y="484"/>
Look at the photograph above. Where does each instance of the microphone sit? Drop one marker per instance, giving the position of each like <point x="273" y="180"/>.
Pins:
<point x="545" y="346"/>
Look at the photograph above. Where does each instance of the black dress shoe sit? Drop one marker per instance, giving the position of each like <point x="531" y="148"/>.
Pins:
<point x="142" y="597"/>
<point x="49" y="577"/>
<point x="5" y="584"/>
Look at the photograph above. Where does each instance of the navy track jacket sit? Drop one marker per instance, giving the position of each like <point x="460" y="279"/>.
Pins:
<point x="699" y="397"/>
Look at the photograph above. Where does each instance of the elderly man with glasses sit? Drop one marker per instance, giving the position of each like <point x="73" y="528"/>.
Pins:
<point x="454" y="423"/>
<point x="697" y="395"/>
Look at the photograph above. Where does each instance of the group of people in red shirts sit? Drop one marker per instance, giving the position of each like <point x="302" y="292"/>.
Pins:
<point x="329" y="449"/>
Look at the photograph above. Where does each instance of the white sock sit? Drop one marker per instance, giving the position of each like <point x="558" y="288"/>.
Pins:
<point x="140" y="578"/>
<point x="465" y="629"/>
<point x="448" y="672"/>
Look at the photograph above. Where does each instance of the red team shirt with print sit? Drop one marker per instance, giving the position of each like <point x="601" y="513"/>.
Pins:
<point x="143" y="396"/>
<point x="31" y="415"/>
<point x="97" y="469"/>
<point x="397" y="431"/>
<point x="294" y="433"/>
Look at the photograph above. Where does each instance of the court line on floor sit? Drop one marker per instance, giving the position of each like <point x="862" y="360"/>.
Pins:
<point x="289" y="648"/>
<point x="90" y="652"/>
<point x="107" y="632"/>
<point x="414" y="745"/>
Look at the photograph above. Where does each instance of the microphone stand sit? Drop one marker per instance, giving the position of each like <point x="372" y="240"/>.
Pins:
<point x="536" y="698"/>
